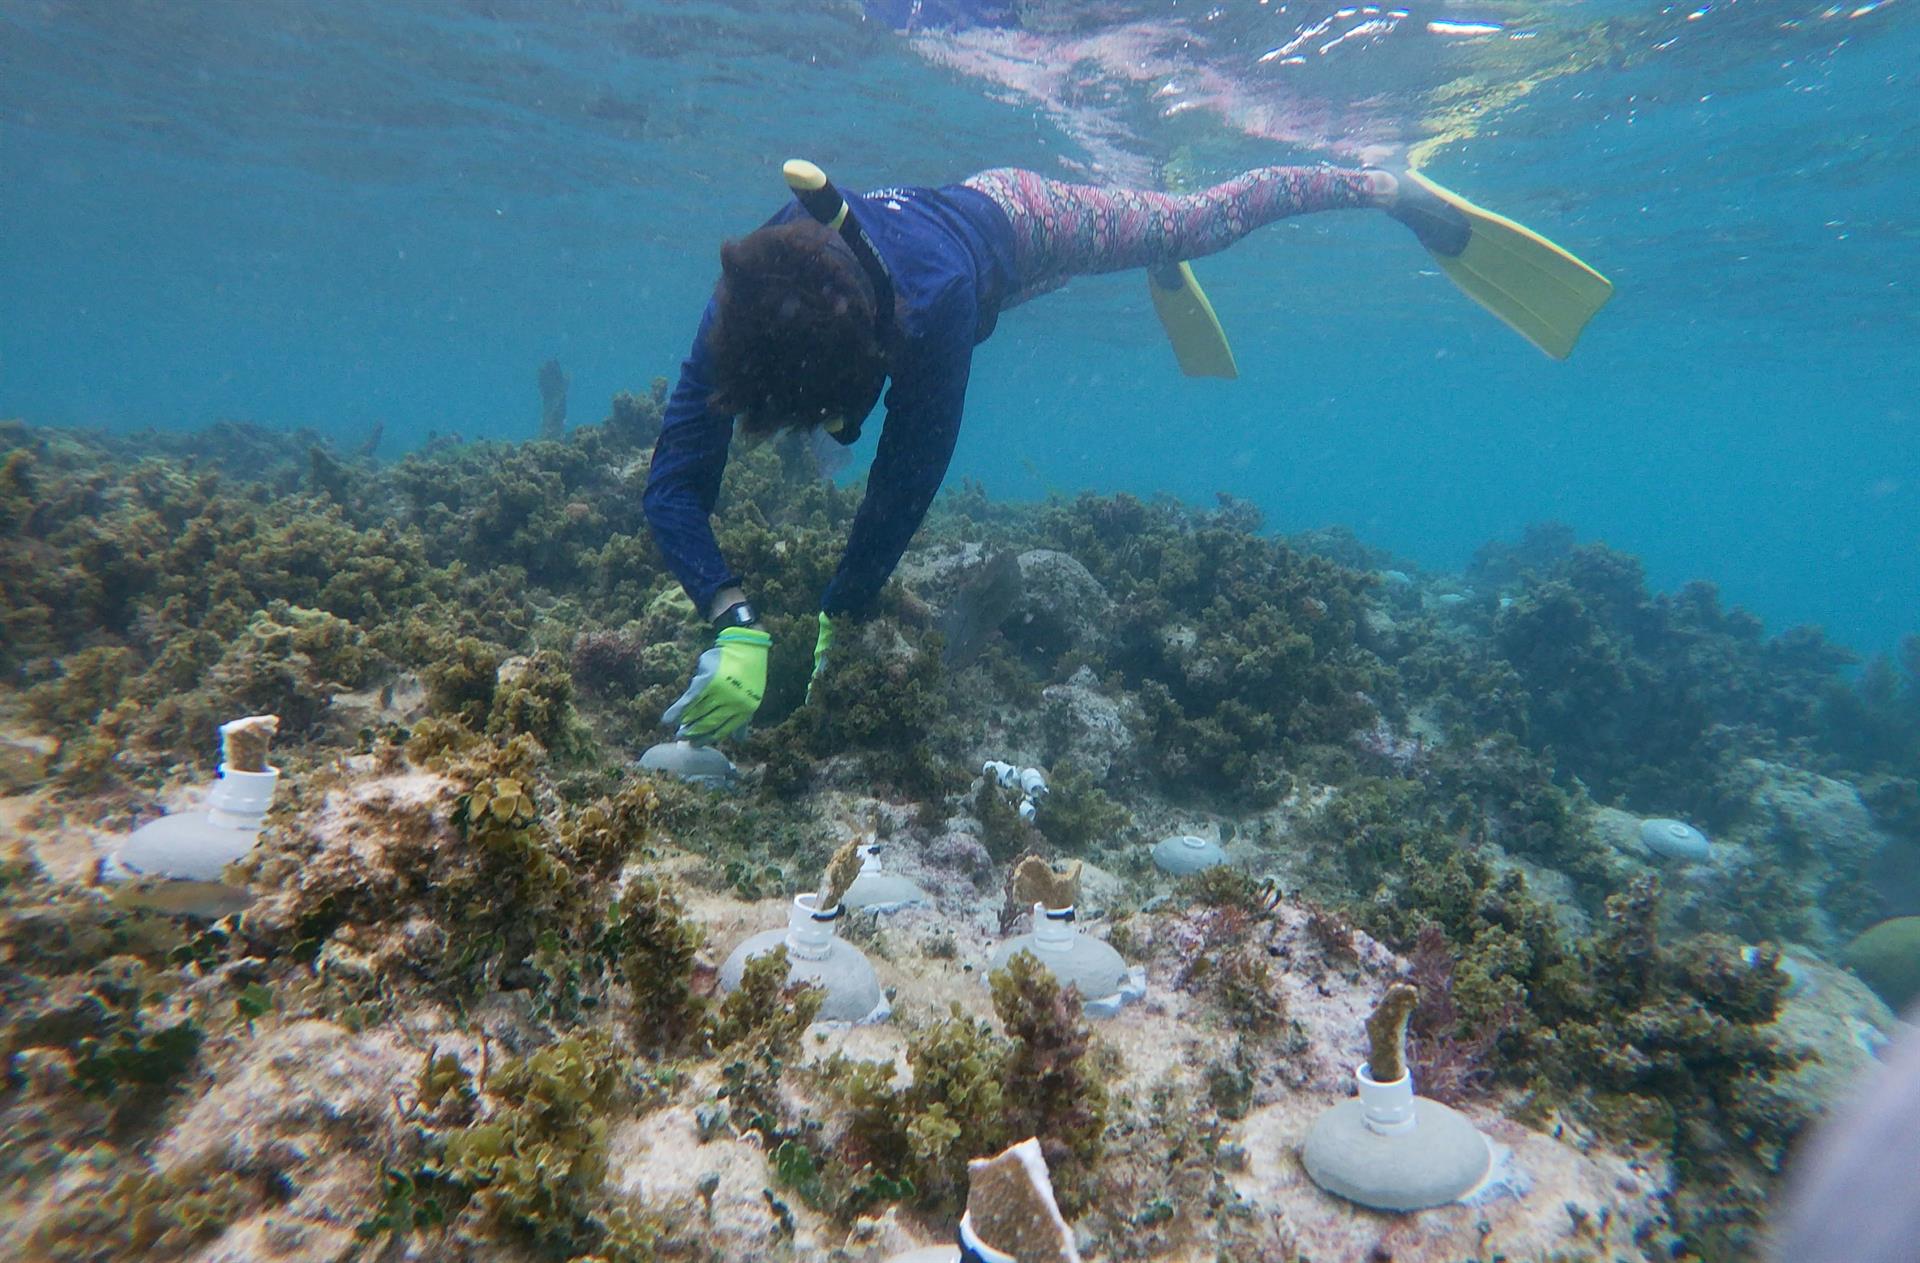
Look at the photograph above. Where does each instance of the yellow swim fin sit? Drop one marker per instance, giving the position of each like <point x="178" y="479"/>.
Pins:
<point x="1199" y="343"/>
<point x="1544" y="293"/>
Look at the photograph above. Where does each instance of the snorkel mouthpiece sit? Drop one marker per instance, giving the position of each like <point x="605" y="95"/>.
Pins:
<point x="821" y="200"/>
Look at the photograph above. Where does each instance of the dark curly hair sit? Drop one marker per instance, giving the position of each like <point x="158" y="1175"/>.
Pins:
<point x="793" y="338"/>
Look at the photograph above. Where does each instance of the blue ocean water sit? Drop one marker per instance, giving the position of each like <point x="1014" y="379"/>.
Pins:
<point x="356" y="213"/>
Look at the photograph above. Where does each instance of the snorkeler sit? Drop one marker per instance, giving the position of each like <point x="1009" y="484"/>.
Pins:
<point x="835" y="296"/>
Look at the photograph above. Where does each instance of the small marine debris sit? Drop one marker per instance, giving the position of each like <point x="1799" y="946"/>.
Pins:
<point x="1387" y="1148"/>
<point x="701" y="765"/>
<point x="1011" y="1214"/>
<point x="1104" y="981"/>
<point x="880" y="892"/>
<point x="1674" y="839"/>
<point x="1799" y="975"/>
<point x="816" y="954"/>
<point x="979" y="608"/>
<point x="553" y="400"/>
<point x="176" y="864"/>
<point x="1186" y="853"/>
<point x="1030" y="781"/>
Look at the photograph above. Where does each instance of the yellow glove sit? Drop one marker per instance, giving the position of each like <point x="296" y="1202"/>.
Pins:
<point x="821" y="648"/>
<point x="727" y="687"/>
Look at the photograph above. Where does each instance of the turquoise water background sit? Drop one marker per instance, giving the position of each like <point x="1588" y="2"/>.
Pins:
<point x="356" y="213"/>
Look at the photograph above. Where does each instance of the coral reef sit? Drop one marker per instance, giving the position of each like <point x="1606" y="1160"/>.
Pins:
<point x="471" y="1013"/>
<point x="1242" y="650"/>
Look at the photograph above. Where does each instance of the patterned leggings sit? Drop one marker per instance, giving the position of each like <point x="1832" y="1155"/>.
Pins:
<point x="1064" y="230"/>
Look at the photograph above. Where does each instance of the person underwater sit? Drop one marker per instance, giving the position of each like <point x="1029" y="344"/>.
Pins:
<point x="838" y="296"/>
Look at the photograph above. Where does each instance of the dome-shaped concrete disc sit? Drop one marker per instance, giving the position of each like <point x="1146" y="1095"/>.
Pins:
<point x="853" y="991"/>
<point x="1441" y="1159"/>
<point x="702" y="765"/>
<point x="1092" y="965"/>
<point x="1184" y="854"/>
<point x="886" y="892"/>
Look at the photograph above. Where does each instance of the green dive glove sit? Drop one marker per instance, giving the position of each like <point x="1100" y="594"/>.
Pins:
<point x="726" y="690"/>
<point x="821" y="648"/>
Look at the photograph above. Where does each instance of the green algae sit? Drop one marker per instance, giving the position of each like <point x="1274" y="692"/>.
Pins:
<point x="1640" y="1040"/>
<point x="1049" y="1082"/>
<point x="1242" y="649"/>
<point x="461" y="677"/>
<point x="519" y="585"/>
<point x="1002" y="830"/>
<point x="1077" y="813"/>
<point x="519" y="899"/>
<point x="764" y="1012"/>
<point x="534" y="695"/>
<point x="1636" y="690"/>
<point x="756" y="1032"/>
<point x="1645" y="1042"/>
<point x="94" y="984"/>
<point x="654" y="944"/>
<point x="542" y="1153"/>
<point x="974" y="1092"/>
<point x="522" y="1155"/>
<point x="881" y="699"/>
<point x="143" y="1214"/>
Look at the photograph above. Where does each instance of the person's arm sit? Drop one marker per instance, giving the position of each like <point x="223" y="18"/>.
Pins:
<point x="684" y="483"/>
<point x="923" y="421"/>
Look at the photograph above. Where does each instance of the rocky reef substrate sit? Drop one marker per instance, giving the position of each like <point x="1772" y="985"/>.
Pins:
<point x="473" y="1011"/>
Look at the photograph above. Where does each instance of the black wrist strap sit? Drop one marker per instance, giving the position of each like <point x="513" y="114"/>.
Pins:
<point x="739" y="614"/>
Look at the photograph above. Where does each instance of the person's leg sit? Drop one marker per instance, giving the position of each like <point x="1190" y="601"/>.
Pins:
<point x="1062" y="230"/>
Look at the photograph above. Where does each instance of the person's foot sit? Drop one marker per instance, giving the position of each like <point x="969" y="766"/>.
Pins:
<point x="1385" y="187"/>
<point x="1437" y="222"/>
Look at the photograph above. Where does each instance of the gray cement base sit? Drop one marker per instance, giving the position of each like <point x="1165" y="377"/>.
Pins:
<point x="1439" y="1160"/>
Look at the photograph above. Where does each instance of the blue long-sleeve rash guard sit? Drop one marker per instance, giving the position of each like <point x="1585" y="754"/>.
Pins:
<point x="951" y="254"/>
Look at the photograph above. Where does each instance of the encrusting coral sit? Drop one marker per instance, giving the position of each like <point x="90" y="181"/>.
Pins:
<point x="244" y="742"/>
<point x="1036" y="881"/>
<point x="1888" y="957"/>
<point x="840" y="874"/>
<point x="1387" y="1033"/>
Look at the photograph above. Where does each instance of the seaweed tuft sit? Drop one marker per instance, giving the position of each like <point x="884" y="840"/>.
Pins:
<point x="655" y="945"/>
